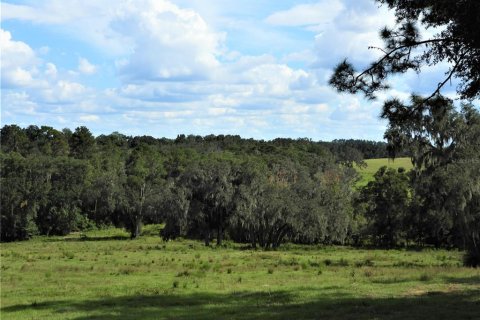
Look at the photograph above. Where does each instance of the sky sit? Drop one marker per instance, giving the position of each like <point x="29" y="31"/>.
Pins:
<point x="253" y="68"/>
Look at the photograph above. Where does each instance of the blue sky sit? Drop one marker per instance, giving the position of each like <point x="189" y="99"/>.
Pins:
<point x="166" y="67"/>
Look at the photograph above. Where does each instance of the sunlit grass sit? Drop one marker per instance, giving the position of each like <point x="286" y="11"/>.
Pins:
<point x="367" y="173"/>
<point x="104" y="275"/>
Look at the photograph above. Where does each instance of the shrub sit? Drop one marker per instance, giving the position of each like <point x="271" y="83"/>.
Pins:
<point x="471" y="259"/>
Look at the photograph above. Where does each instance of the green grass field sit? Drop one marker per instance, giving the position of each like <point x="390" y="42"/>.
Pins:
<point x="366" y="174"/>
<point x="103" y="275"/>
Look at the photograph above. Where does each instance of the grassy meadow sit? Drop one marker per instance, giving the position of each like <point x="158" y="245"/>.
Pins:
<point x="367" y="173"/>
<point x="104" y="275"/>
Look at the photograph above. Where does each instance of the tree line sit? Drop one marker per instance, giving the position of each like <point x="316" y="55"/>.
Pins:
<point x="262" y="193"/>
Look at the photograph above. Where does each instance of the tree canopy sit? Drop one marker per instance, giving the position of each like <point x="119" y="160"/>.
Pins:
<point x="455" y="41"/>
<point x="261" y="193"/>
<point x="442" y="141"/>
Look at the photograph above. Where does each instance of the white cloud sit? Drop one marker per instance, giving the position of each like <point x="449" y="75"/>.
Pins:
<point x="85" y="67"/>
<point x="152" y="39"/>
<point x="51" y="70"/>
<point x="86" y="20"/>
<point x="176" y="74"/>
<point x="273" y="79"/>
<point x="15" y="52"/>
<point x="303" y="15"/>
<point x="18" y="77"/>
<point x="219" y="111"/>
<point x="352" y="32"/>
<point x="89" y="118"/>
<point x="170" y="43"/>
<point x="27" y="13"/>
<point x="18" y="103"/>
<point x="18" y="61"/>
<point x="343" y="28"/>
<point x="64" y="91"/>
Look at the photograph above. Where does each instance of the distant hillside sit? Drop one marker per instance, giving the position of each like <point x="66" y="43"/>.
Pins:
<point x="374" y="164"/>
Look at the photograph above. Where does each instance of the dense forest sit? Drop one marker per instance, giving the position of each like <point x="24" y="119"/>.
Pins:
<point x="261" y="193"/>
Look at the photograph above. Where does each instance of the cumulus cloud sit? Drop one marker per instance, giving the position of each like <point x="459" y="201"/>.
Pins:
<point x="310" y="14"/>
<point x="85" y="67"/>
<point x="351" y="34"/>
<point x="66" y="91"/>
<point x="153" y="39"/>
<point x="50" y="70"/>
<point x="173" y="72"/>
<point x="342" y="28"/>
<point x="86" y="20"/>
<point x="170" y="43"/>
<point x="18" y="61"/>
<point x="20" y="102"/>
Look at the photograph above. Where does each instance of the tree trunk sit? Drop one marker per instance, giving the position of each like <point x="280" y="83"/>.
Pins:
<point x="136" y="228"/>
<point x="207" y="238"/>
<point x="95" y="210"/>
<point x="253" y="239"/>
<point x="282" y="232"/>
<point x="219" y="235"/>
<point x="260" y="240"/>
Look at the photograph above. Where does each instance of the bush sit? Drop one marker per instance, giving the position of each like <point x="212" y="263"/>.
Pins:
<point x="472" y="259"/>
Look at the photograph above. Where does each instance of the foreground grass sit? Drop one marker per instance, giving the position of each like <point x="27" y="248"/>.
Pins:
<point x="107" y="276"/>
<point x="366" y="174"/>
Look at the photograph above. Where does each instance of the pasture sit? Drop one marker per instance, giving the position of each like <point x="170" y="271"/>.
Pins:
<point x="104" y="275"/>
<point x="367" y="173"/>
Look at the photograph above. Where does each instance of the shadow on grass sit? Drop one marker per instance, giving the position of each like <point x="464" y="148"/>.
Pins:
<point x="391" y="280"/>
<point x="81" y="239"/>
<point x="475" y="280"/>
<point x="263" y="305"/>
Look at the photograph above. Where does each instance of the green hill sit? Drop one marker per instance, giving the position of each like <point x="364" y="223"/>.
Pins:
<point x="373" y="165"/>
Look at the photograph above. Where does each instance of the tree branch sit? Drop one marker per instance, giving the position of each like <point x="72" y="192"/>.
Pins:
<point x="441" y="84"/>
<point x="387" y="55"/>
